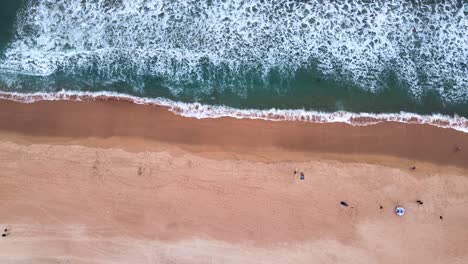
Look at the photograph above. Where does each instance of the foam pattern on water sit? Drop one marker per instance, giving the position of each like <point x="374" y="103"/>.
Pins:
<point x="189" y="40"/>
<point x="200" y="111"/>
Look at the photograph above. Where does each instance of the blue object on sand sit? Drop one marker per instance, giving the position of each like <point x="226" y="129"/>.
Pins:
<point x="302" y="177"/>
<point x="400" y="211"/>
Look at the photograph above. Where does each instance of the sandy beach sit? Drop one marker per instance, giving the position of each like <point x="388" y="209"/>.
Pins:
<point x="115" y="182"/>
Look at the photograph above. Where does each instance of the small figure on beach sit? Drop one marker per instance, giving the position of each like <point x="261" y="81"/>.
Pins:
<point x="413" y="167"/>
<point x="441" y="218"/>
<point x="458" y="148"/>
<point x="400" y="211"/>
<point x="5" y="232"/>
<point x="302" y="176"/>
<point x="343" y="203"/>
<point x="419" y="202"/>
<point x="381" y="207"/>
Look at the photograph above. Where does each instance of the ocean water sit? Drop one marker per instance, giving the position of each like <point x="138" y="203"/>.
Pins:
<point x="356" y="56"/>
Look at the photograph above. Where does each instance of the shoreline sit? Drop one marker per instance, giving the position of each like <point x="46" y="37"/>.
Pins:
<point x="201" y="111"/>
<point x="63" y="121"/>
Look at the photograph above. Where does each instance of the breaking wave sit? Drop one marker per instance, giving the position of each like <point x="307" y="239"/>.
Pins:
<point x="239" y="43"/>
<point x="196" y="110"/>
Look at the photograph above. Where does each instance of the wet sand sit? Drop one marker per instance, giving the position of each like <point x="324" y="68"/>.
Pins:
<point x="115" y="182"/>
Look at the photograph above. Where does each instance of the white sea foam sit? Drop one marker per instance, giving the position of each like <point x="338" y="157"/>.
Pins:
<point x="199" y="111"/>
<point x="170" y="38"/>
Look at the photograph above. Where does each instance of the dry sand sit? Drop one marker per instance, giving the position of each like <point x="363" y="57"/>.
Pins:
<point x="114" y="182"/>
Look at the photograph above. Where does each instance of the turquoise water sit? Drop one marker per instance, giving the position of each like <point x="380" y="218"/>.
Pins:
<point x="357" y="56"/>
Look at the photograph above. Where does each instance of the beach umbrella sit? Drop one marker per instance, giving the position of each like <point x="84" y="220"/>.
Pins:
<point x="400" y="210"/>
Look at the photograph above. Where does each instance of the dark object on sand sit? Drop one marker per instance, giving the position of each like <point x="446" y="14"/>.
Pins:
<point x="4" y="235"/>
<point x="302" y="176"/>
<point x="343" y="203"/>
<point x="413" y="168"/>
<point x="5" y="230"/>
<point x="381" y="207"/>
<point x="441" y="218"/>
<point x="419" y="201"/>
<point x="458" y="149"/>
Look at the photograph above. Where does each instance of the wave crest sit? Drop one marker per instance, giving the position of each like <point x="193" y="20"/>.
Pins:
<point x="200" y="41"/>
